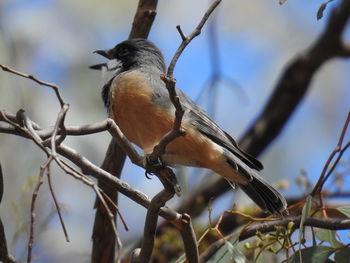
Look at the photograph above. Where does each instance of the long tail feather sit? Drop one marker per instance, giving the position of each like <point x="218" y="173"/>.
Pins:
<point x="265" y="196"/>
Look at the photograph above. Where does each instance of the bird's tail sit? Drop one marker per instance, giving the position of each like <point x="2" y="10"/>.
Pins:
<point x="264" y="195"/>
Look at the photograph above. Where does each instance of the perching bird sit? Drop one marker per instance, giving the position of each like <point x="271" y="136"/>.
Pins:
<point x="138" y="101"/>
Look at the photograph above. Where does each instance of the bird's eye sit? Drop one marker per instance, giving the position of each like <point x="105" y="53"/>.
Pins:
<point x="122" y="52"/>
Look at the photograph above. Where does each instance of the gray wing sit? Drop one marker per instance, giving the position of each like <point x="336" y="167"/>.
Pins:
<point x="201" y="121"/>
<point x="205" y="125"/>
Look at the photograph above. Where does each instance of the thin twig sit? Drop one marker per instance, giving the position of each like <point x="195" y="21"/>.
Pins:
<point x="111" y="220"/>
<point x="338" y="149"/>
<point x="188" y="39"/>
<point x="117" y="210"/>
<point x="59" y="125"/>
<point x="124" y="143"/>
<point x="170" y="82"/>
<point x="58" y="208"/>
<point x="43" y="167"/>
<point x="40" y="82"/>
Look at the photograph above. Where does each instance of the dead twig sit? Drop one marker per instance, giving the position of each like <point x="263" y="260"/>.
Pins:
<point x="338" y="149"/>
<point x="188" y="39"/>
<point x="58" y="208"/>
<point x="40" y="82"/>
<point x="43" y="167"/>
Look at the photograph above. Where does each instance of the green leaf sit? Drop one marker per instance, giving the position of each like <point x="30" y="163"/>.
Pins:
<point x="229" y="252"/>
<point x="328" y="236"/>
<point x="315" y="254"/>
<point x="344" y="210"/>
<point x="236" y="255"/>
<point x="342" y="256"/>
<point x="320" y="11"/>
<point x="181" y="259"/>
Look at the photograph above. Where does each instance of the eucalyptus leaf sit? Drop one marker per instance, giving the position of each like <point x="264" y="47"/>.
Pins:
<point x="229" y="252"/>
<point x="328" y="236"/>
<point x="236" y="255"/>
<point x="181" y="259"/>
<point x="320" y="11"/>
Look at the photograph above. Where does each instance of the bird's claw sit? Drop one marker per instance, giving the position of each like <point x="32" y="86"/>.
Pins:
<point x="152" y="166"/>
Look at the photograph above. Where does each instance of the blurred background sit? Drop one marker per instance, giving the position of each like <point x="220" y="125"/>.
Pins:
<point x="54" y="41"/>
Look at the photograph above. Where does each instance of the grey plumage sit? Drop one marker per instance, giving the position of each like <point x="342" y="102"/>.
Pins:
<point x="142" y="55"/>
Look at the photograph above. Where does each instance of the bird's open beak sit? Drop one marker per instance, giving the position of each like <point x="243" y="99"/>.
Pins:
<point x="104" y="53"/>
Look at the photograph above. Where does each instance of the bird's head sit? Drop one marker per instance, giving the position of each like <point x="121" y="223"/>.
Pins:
<point x="134" y="53"/>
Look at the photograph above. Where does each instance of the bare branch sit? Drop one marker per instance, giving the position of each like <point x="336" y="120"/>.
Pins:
<point x="124" y="143"/>
<point x="170" y="82"/>
<point x="32" y="208"/>
<point x="40" y="82"/>
<point x="58" y="209"/>
<point x="189" y="239"/>
<point x="176" y="131"/>
<point x="188" y="39"/>
<point x="151" y="225"/>
<point x="59" y="125"/>
<point x="116" y="183"/>
<point x="338" y="149"/>
<point x="295" y="81"/>
<point x="143" y="20"/>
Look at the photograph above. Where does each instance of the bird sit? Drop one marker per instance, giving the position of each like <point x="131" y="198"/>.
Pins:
<point x="138" y="101"/>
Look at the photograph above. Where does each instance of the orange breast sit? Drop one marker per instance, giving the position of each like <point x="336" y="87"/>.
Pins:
<point x="134" y="112"/>
<point x="144" y="124"/>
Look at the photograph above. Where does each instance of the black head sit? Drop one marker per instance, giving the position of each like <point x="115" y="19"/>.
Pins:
<point x="135" y="53"/>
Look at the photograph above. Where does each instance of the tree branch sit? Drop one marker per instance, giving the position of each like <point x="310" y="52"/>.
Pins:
<point x="143" y="20"/>
<point x="187" y="40"/>
<point x="144" y="254"/>
<point x="325" y="223"/>
<point x="287" y="95"/>
<point x="189" y="239"/>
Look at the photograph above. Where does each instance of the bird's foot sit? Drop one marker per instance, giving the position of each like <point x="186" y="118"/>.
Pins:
<point x="153" y="165"/>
